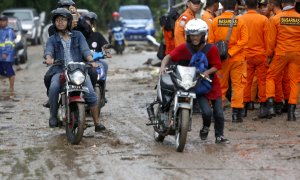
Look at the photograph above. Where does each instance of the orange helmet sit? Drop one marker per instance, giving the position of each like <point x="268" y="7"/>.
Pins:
<point x="115" y="14"/>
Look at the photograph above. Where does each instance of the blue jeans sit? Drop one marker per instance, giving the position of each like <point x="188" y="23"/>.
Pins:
<point x="55" y="87"/>
<point x="216" y="111"/>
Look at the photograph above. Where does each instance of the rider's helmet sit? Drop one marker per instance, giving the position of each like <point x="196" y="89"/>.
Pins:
<point x="62" y="12"/>
<point x="115" y="14"/>
<point x="63" y="3"/>
<point x="91" y="16"/>
<point x="196" y="27"/>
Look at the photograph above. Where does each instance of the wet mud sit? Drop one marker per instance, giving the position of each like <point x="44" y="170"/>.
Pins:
<point x="29" y="149"/>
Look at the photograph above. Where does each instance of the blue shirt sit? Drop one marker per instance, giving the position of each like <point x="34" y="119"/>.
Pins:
<point x="79" y="49"/>
<point x="7" y="37"/>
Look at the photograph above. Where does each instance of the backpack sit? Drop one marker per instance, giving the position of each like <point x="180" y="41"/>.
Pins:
<point x="199" y="60"/>
<point x="167" y="21"/>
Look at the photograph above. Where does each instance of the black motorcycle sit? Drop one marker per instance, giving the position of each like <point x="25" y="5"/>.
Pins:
<point x="174" y="104"/>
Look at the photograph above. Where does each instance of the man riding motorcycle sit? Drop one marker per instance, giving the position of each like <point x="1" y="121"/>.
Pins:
<point x="114" y="23"/>
<point x="196" y="31"/>
<point x="67" y="44"/>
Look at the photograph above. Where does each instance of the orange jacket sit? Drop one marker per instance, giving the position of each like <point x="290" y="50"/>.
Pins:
<point x="258" y="30"/>
<point x="239" y="36"/>
<point x="285" y="32"/>
<point x="208" y="17"/>
<point x="169" y="40"/>
<point x="179" y="35"/>
<point x="269" y="40"/>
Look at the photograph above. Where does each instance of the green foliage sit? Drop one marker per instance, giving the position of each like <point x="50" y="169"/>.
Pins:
<point x="103" y="8"/>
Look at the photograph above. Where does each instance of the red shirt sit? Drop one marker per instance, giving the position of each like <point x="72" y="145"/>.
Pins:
<point x="182" y="53"/>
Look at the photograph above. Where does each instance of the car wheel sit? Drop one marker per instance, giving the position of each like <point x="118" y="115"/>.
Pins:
<point x="23" y="58"/>
<point x="34" y="41"/>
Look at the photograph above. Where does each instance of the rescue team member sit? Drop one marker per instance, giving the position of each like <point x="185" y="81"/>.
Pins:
<point x="209" y="14"/>
<point x="235" y="66"/>
<point x="285" y="30"/>
<point x="281" y="89"/>
<point x="255" y="53"/>
<point x="263" y="8"/>
<point x="193" y="6"/>
<point x="168" y="31"/>
<point x="7" y="38"/>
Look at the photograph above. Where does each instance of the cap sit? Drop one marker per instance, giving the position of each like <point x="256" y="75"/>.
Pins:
<point x="264" y="2"/>
<point x="3" y="18"/>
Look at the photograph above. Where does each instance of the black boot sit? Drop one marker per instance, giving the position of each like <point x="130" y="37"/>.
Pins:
<point x="270" y="108"/>
<point x="291" y="112"/>
<point x="244" y="112"/>
<point x="237" y="115"/>
<point x="278" y="107"/>
<point x="285" y="106"/>
<point x="263" y="111"/>
<point x="249" y="105"/>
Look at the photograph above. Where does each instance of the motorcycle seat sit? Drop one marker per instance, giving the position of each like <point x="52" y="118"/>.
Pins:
<point x="166" y="82"/>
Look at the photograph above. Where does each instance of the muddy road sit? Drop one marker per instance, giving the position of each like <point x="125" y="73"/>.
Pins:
<point x="29" y="149"/>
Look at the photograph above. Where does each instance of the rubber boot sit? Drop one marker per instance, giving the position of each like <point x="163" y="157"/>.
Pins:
<point x="249" y="105"/>
<point x="285" y="106"/>
<point x="95" y="115"/>
<point x="263" y="113"/>
<point x="237" y="115"/>
<point x="270" y="108"/>
<point x="291" y="112"/>
<point x="278" y="107"/>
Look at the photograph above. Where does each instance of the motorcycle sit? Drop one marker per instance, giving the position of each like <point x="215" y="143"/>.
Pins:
<point x="174" y="104"/>
<point x="101" y="79"/>
<point x="118" y="40"/>
<point x="71" y="111"/>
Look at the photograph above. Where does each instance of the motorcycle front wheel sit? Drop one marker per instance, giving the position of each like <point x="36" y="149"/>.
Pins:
<point x="182" y="130"/>
<point x="75" y="128"/>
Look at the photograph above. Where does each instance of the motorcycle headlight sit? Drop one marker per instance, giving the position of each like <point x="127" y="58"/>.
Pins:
<point x="77" y="77"/>
<point x="186" y="82"/>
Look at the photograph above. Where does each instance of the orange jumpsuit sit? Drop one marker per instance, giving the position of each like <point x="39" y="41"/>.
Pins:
<point x="179" y="35"/>
<point x="235" y="66"/>
<point x="285" y="32"/>
<point x="169" y="40"/>
<point x="255" y="52"/>
<point x="281" y="85"/>
<point x="208" y="17"/>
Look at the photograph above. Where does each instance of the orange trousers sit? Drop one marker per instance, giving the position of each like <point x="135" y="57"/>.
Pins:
<point x="256" y="64"/>
<point x="282" y="86"/>
<point x="279" y="62"/>
<point x="237" y="72"/>
<point x="254" y="89"/>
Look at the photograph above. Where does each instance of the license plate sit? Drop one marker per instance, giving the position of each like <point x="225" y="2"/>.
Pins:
<point x="72" y="88"/>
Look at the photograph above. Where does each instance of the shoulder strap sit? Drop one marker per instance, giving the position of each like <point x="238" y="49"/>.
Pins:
<point x="230" y="28"/>
<point x="206" y="48"/>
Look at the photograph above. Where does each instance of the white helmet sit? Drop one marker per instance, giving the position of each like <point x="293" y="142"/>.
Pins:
<point x="196" y="26"/>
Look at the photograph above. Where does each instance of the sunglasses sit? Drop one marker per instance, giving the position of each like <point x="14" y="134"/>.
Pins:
<point x="196" y="2"/>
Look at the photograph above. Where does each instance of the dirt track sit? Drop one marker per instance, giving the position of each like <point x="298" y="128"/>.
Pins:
<point x="268" y="149"/>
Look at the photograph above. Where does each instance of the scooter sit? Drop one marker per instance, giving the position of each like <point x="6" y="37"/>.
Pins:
<point x="118" y="41"/>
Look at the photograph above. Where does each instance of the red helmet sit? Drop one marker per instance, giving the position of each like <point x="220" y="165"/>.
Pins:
<point x="115" y="14"/>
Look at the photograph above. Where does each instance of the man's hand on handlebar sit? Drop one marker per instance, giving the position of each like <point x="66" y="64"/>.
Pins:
<point x="49" y="61"/>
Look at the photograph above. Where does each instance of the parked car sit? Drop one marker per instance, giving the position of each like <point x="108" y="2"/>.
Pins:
<point x="138" y="22"/>
<point x="20" y="41"/>
<point x="30" y="21"/>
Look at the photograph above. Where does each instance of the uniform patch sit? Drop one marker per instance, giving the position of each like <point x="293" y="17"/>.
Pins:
<point x="291" y="21"/>
<point x="182" y="23"/>
<point x="225" y="22"/>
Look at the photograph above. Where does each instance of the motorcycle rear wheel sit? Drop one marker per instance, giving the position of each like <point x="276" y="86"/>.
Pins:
<point x="181" y="132"/>
<point x="75" y="129"/>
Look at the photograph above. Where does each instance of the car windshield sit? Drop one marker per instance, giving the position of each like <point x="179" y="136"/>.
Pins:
<point x="135" y="14"/>
<point x="23" y="16"/>
<point x="13" y="25"/>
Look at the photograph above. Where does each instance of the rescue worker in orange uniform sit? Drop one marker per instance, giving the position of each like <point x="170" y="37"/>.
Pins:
<point x="233" y="68"/>
<point x="255" y="53"/>
<point x="285" y="30"/>
<point x="263" y="8"/>
<point x="281" y="84"/>
<point x="168" y="31"/>
<point x="209" y="14"/>
<point x="193" y="6"/>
